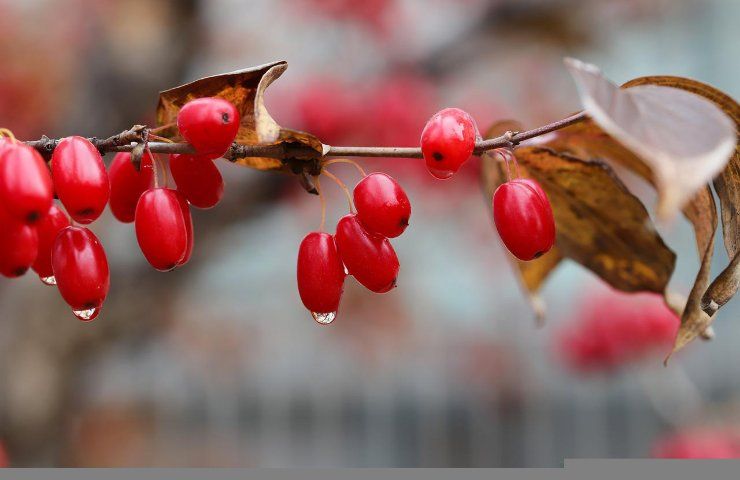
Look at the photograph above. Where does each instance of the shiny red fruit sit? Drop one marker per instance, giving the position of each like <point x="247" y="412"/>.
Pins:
<point x="19" y="245"/>
<point x="209" y="124"/>
<point x="127" y="184"/>
<point x="198" y="179"/>
<point x="80" y="268"/>
<point x="48" y="228"/>
<point x="320" y="273"/>
<point x="370" y="258"/>
<point x="162" y="228"/>
<point x="448" y="141"/>
<point x="80" y="178"/>
<point x="26" y="189"/>
<point x="524" y="219"/>
<point x="382" y="205"/>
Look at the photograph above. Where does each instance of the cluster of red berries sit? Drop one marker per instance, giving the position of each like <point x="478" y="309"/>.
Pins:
<point x="521" y="209"/>
<point x="699" y="443"/>
<point x="614" y="329"/>
<point x="360" y="247"/>
<point x="36" y="233"/>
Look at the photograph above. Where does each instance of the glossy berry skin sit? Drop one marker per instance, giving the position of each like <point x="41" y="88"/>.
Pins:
<point x="320" y="273"/>
<point x="18" y="245"/>
<point x="448" y="141"/>
<point x="370" y="258"/>
<point x="127" y="184"/>
<point x="48" y="228"/>
<point x="382" y="205"/>
<point x="209" y="124"/>
<point x="524" y="219"/>
<point x="162" y="228"/>
<point x="198" y="179"/>
<point x="26" y="189"/>
<point x="80" y="179"/>
<point x="80" y="268"/>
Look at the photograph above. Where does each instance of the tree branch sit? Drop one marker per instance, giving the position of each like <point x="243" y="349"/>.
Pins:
<point x="127" y="140"/>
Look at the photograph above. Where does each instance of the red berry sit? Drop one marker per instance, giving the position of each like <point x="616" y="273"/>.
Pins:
<point x="81" y="270"/>
<point x="19" y="245"/>
<point x="198" y="179"/>
<point x="47" y="229"/>
<point x="368" y="257"/>
<point x="382" y="205"/>
<point x="26" y="189"/>
<point x="320" y="273"/>
<point x="448" y="141"/>
<point x="209" y="124"/>
<point x="80" y="178"/>
<point x="127" y="184"/>
<point x="524" y="219"/>
<point x="162" y="228"/>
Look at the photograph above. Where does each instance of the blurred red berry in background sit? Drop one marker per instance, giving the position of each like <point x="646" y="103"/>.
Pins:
<point x="614" y="328"/>
<point x="707" y="443"/>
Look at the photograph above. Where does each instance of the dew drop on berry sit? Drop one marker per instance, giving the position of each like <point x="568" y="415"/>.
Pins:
<point x="324" y="318"/>
<point x="52" y="280"/>
<point x="86" y="315"/>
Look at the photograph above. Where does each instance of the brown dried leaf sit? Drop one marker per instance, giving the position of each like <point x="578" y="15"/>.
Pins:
<point x="588" y="140"/>
<point x="683" y="138"/>
<point x="245" y="89"/>
<point x="599" y="223"/>
<point x="727" y="186"/>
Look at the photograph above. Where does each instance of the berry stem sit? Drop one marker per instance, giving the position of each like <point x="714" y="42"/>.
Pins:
<point x="346" y="160"/>
<point x="5" y="132"/>
<point x="322" y="199"/>
<point x="343" y="187"/>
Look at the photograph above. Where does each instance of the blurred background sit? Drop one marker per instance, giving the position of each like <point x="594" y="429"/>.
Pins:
<point x="218" y="363"/>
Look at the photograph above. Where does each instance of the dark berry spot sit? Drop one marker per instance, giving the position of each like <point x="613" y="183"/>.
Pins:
<point x="438" y="156"/>
<point x="89" y="306"/>
<point x="20" y="271"/>
<point x="404" y="222"/>
<point x="539" y="254"/>
<point x="393" y="283"/>
<point x="85" y="212"/>
<point x="33" y="217"/>
<point x="225" y="117"/>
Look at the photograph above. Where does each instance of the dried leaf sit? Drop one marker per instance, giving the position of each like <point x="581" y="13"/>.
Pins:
<point x="588" y="140"/>
<point x="599" y="223"/>
<point x="683" y="138"/>
<point x="245" y="89"/>
<point x="727" y="186"/>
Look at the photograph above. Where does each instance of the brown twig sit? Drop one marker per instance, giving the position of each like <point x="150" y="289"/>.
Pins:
<point x="126" y="141"/>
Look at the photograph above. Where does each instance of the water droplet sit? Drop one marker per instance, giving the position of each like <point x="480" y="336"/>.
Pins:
<point x="86" y="315"/>
<point x="48" y="280"/>
<point x="346" y="272"/>
<point x="324" y="318"/>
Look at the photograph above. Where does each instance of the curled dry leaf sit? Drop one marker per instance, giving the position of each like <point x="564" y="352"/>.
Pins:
<point x="600" y="224"/>
<point x="684" y="139"/>
<point x="245" y="89"/>
<point x="588" y="140"/>
<point x="726" y="184"/>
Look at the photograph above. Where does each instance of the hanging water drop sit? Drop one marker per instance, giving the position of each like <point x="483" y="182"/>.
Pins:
<point x="86" y="315"/>
<point x="324" y="318"/>
<point x="48" y="280"/>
